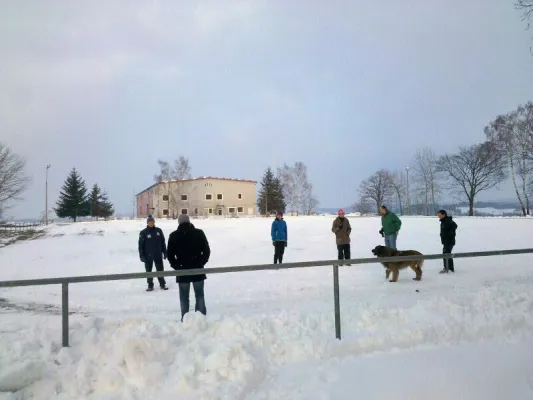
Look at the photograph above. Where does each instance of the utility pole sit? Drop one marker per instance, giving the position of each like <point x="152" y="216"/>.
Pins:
<point x="408" y="195"/>
<point x="46" y="196"/>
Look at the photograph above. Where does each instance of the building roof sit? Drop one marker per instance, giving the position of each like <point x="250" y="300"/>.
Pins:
<point x="200" y="178"/>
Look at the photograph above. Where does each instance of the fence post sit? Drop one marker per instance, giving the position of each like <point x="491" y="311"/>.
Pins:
<point x="336" y="297"/>
<point x="64" y="310"/>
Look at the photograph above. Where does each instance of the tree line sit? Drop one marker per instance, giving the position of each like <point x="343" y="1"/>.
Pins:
<point x="288" y="190"/>
<point x="75" y="201"/>
<point x="506" y="152"/>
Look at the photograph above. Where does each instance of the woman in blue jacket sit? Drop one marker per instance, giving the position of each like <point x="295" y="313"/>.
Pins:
<point x="279" y="237"/>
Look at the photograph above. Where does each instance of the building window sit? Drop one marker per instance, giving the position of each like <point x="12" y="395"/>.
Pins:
<point x="209" y="196"/>
<point x="195" y="211"/>
<point x="240" y="209"/>
<point x="165" y="212"/>
<point x="231" y="210"/>
<point x="165" y="197"/>
<point x="184" y="211"/>
<point x="219" y="196"/>
<point x="184" y="197"/>
<point x="239" y="196"/>
<point x="210" y="211"/>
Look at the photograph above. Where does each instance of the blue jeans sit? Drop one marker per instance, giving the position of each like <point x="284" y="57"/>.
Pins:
<point x="390" y="240"/>
<point x="185" y="288"/>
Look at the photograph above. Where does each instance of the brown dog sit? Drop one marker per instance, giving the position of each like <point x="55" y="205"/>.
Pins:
<point x="395" y="267"/>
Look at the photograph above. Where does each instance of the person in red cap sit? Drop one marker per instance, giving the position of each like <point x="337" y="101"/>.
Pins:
<point x="342" y="229"/>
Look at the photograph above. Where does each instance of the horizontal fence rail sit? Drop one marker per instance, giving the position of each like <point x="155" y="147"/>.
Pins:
<point x="65" y="281"/>
<point x="26" y="226"/>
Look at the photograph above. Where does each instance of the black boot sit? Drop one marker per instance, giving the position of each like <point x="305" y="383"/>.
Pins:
<point x="150" y="289"/>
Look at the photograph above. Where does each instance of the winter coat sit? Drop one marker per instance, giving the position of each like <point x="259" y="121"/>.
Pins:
<point x="278" y="232"/>
<point x="188" y="248"/>
<point x="342" y="229"/>
<point x="152" y="244"/>
<point x="447" y="231"/>
<point x="390" y="223"/>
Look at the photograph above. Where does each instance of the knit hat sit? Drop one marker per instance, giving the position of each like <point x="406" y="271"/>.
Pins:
<point x="183" y="218"/>
<point x="280" y="213"/>
<point x="150" y="219"/>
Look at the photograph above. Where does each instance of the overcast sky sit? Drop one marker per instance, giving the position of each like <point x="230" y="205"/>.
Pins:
<point x="346" y="86"/>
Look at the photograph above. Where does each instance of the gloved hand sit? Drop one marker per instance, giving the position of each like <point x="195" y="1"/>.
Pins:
<point x="285" y="243"/>
<point x="273" y="243"/>
<point x="381" y="233"/>
<point x="340" y="227"/>
<point x="164" y="256"/>
<point x="142" y="259"/>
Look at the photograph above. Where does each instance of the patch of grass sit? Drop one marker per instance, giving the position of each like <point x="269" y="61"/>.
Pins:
<point x="11" y="237"/>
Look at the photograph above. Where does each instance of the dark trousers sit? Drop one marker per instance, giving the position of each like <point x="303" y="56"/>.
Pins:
<point x="148" y="265"/>
<point x="343" y="251"/>
<point x="279" y="250"/>
<point x="448" y="262"/>
<point x="185" y="288"/>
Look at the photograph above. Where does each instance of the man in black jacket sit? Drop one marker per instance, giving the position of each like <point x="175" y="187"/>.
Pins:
<point x="447" y="238"/>
<point x="152" y="250"/>
<point x="188" y="248"/>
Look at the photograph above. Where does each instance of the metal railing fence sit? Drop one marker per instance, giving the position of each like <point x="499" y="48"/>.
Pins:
<point x="65" y="281"/>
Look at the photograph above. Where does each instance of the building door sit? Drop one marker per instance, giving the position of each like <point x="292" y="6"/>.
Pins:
<point x="219" y="212"/>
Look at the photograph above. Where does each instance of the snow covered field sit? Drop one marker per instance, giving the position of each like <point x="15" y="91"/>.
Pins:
<point x="270" y="334"/>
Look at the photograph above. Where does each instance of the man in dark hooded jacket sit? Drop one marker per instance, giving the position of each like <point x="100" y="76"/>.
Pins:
<point x="447" y="238"/>
<point x="188" y="248"/>
<point x="152" y="250"/>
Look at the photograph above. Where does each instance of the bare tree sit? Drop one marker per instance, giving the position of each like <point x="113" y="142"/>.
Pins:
<point x="505" y="133"/>
<point x="178" y="171"/>
<point x="364" y="207"/>
<point x="309" y="201"/>
<point x="526" y="7"/>
<point x="398" y="183"/>
<point x="297" y="190"/>
<point x="425" y="167"/>
<point x="13" y="181"/>
<point x="525" y="130"/>
<point x="377" y="190"/>
<point x="474" y="169"/>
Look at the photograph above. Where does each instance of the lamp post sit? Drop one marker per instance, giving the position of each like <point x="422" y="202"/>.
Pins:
<point x="46" y="196"/>
<point x="408" y="195"/>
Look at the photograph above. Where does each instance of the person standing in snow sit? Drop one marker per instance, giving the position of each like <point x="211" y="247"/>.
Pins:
<point x="447" y="238"/>
<point x="152" y="250"/>
<point x="390" y="227"/>
<point x="188" y="248"/>
<point x="342" y="229"/>
<point x="278" y="232"/>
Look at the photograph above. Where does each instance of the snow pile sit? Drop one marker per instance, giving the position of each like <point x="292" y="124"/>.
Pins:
<point x="268" y="334"/>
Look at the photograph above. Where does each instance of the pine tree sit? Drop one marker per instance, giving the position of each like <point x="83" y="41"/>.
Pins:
<point x="106" y="208"/>
<point x="73" y="201"/>
<point x="100" y="206"/>
<point x="94" y="200"/>
<point x="270" y="197"/>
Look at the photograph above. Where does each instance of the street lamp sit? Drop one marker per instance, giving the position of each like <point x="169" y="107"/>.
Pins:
<point x="46" y="196"/>
<point x="408" y="195"/>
